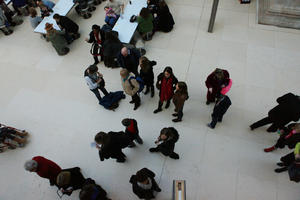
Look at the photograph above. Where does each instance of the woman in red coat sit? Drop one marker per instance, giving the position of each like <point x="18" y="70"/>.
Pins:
<point x="215" y="82"/>
<point x="44" y="168"/>
<point x="166" y="84"/>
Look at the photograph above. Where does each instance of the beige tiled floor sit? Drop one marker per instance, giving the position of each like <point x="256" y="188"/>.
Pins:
<point x="46" y="95"/>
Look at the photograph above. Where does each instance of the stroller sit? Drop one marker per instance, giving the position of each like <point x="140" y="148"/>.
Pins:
<point x="11" y="138"/>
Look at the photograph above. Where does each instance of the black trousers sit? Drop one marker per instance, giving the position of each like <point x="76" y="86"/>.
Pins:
<point x="136" y="99"/>
<point x="268" y="120"/>
<point x="97" y="93"/>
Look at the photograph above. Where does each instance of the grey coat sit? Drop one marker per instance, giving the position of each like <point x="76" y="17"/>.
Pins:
<point x="58" y="41"/>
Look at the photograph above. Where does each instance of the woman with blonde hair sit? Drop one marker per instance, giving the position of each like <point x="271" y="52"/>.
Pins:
<point x="57" y="39"/>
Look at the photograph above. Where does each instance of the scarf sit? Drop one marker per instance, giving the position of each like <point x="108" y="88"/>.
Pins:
<point x="110" y="13"/>
<point x="145" y="186"/>
<point x="166" y="91"/>
<point x="98" y="38"/>
<point x="131" y="127"/>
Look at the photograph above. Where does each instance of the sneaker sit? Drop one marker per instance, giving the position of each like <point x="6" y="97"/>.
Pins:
<point x="280" y="164"/>
<point x="174" y="156"/>
<point x="131" y="101"/>
<point x="139" y="140"/>
<point x="279" y="170"/>
<point x="157" y="110"/>
<point x="207" y="102"/>
<point x="270" y="149"/>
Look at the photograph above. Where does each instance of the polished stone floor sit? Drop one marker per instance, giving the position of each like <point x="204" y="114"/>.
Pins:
<point x="47" y="95"/>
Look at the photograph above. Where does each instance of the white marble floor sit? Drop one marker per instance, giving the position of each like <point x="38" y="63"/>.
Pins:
<point x="46" y="95"/>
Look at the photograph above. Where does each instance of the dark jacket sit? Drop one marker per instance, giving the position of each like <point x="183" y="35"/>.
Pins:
<point x="67" y="24"/>
<point x="132" y="130"/>
<point x="164" y="20"/>
<point x="160" y="77"/>
<point x="290" y="141"/>
<point x="92" y="38"/>
<point x="178" y="100"/>
<point x="287" y="110"/>
<point x="133" y="57"/>
<point x="90" y="190"/>
<point x="140" y="192"/>
<point x="221" y="107"/>
<point x="19" y="3"/>
<point x="148" y="76"/>
<point x="212" y="82"/>
<point x="112" y="48"/>
<point x="114" y="145"/>
<point x="77" y="179"/>
<point x="168" y="145"/>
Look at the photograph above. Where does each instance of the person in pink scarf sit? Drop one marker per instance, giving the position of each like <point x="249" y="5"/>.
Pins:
<point x="110" y="16"/>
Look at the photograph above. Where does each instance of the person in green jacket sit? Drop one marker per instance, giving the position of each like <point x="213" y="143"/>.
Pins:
<point x="145" y="24"/>
<point x="57" y="39"/>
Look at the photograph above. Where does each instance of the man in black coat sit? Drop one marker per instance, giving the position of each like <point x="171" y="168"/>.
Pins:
<point x="222" y="105"/>
<point x="69" y="26"/>
<point x="129" y="59"/>
<point x="144" y="184"/>
<point x="166" y="142"/>
<point x="69" y="180"/>
<point x="288" y="110"/>
<point x="112" y="144"/>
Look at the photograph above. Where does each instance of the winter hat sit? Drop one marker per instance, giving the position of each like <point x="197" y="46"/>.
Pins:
<point x="63" y="178"/>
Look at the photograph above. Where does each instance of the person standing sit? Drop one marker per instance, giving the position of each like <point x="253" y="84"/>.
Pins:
<point x="129" y="59"/>
<point x="57" y="39"/>
<point x="287" y="110"/>
<point x="131" y="87"/>
<point x="44" y="168"/>
<point x="96" y="38"/>
<point x="166" y="83"/>
<point x="215" y="82"/>
<point x="222" y="104"/>
<point x="132" y="131"/>
<point x="69" y="26"/>
<point x="146" y="73"/>
<point x="180" y="96"/>
<point x="166" y="142"/>
<point x="95" y="81"/>
<point x="144" y="184"/>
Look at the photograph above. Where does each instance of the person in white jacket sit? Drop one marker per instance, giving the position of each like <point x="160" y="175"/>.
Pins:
<point x="95" y="81"/>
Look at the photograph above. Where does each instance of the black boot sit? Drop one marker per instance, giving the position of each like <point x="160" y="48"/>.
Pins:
<point x="96" y="60"/>
<point x="153" y="150"/>
<point x="168" y="104"/>
<point x="147" y="90"/>
<point x="152" y="90"/>
<point x="159" y="109"/>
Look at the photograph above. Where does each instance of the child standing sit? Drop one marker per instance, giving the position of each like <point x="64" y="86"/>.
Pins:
<point x="132" y="131"/>
<point x="222" y="104"/>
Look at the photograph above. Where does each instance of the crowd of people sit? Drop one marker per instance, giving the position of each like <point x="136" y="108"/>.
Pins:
<point x="137" y="78"/>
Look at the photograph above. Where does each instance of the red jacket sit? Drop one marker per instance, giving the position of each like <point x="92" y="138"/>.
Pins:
<point x="47" y="168"/>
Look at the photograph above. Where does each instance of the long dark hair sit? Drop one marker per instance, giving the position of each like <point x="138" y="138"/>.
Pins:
<point x="145" y="13"/>
<point x="169" y="70"/>
<point x="183" y="88"/>
<point x="145" y="63"/>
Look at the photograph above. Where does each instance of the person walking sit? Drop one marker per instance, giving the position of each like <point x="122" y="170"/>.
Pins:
<point x="132" y="131"/>
<point x="287" y="110"/>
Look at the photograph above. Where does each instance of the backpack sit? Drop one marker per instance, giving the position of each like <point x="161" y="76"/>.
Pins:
<point x="140" y="81"/>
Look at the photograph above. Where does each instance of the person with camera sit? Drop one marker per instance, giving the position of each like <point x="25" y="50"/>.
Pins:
<point x="95" y="81"/>
<point x="166" y="142"/>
